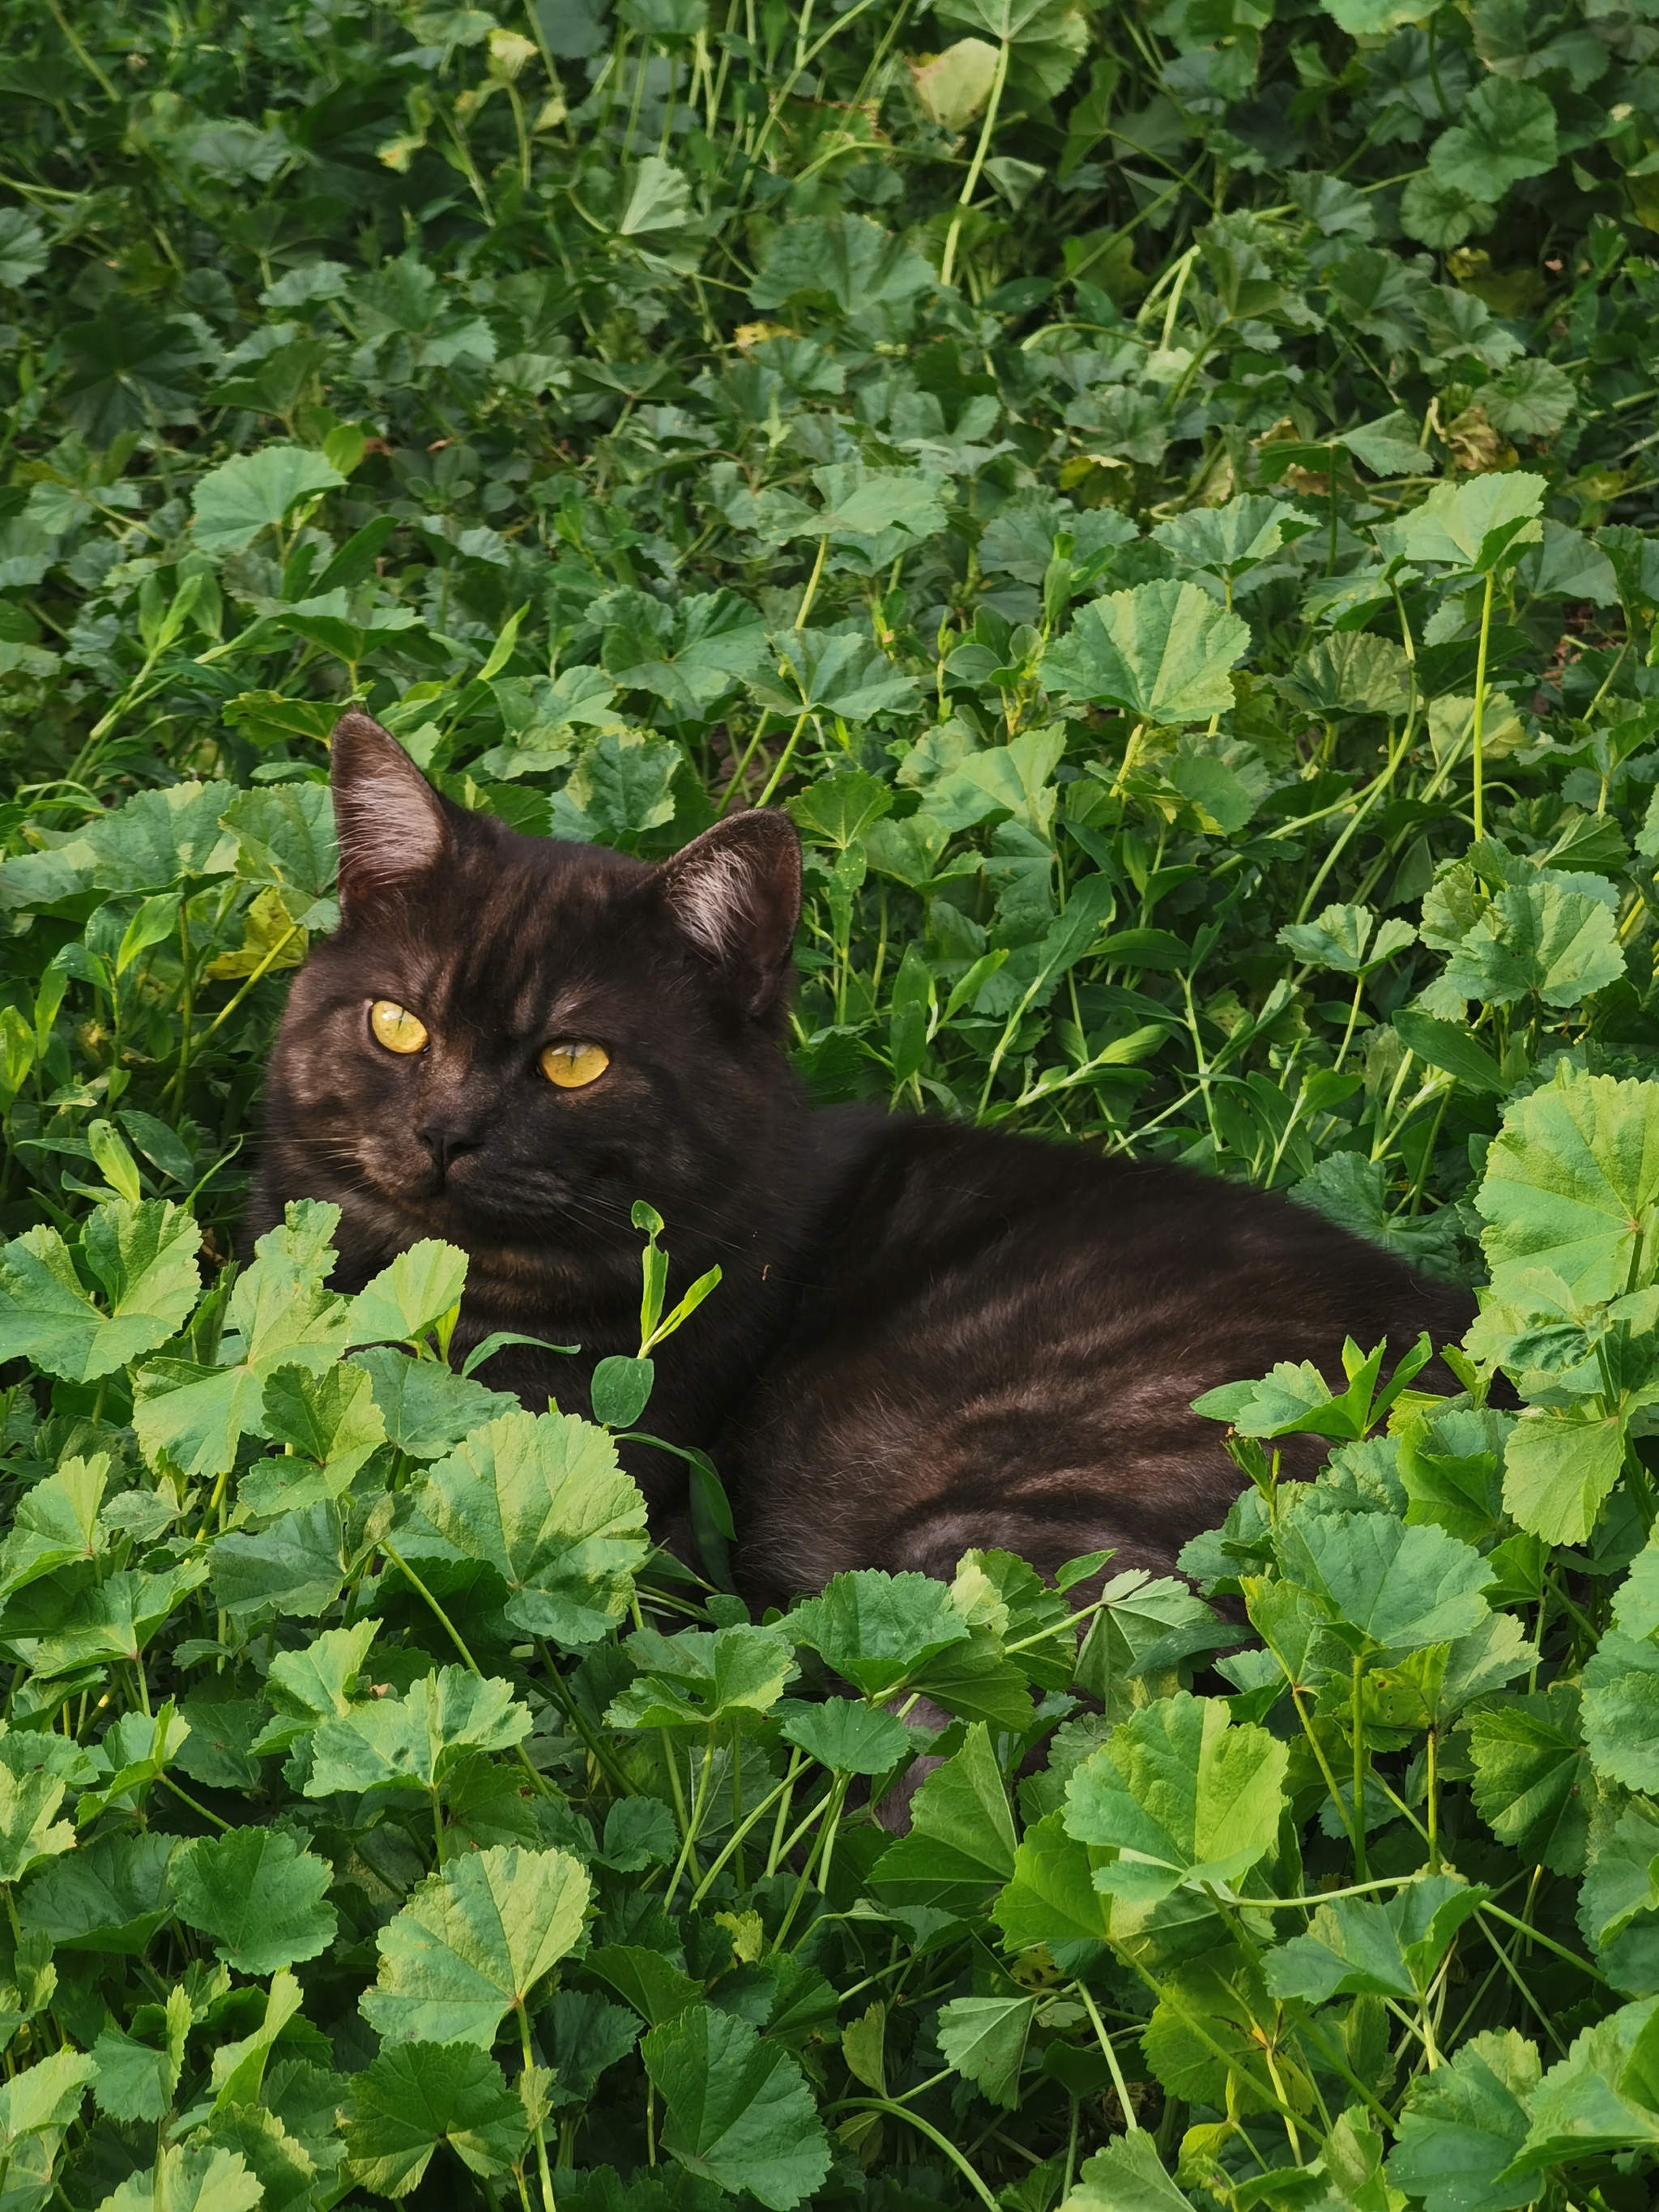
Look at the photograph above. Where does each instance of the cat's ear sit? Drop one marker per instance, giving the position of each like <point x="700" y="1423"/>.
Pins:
<point x="391" y="823"/>
<point x="735" y="891"/>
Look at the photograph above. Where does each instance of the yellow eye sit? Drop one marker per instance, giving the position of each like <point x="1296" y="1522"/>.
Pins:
<point x="395" y="1027"/>
<point x="573" y="1065"/>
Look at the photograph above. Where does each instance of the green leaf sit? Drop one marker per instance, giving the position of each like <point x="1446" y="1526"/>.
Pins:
<point x="1475" y="523"/>
<point x="1506" y="131"/>
<point x="541" y="1499"/>
<point x="29" y="1831"/>
<point x="1356" y="1947"/>
<point x="1586" y="2105"/>
<point x="138" y="2072"/>
<point x="1446" y="1045"/>
<point x="1559" y="1468"/>
<point x="256" y="491"/>
<point x="983" y="2038"/>
<point x="110" y="1895"/>
<point x="1161" y="652"/>
<point x="844" y="262"/>
<point x="1572" y="1184"/>
<point x="189" y="2179"/>
<point x="280" y="1314"/>
<point x="848" y="1737"/>
<point x="1530" y="1781"/>
<point x="831" y="672"/>
<point x="1341" y="938"/>
<point x="305" y="1688"/>
<point x="143" y="1256"/>
<point x="405" y="1299"/>
<point x="1463" y="2124"/>
<point x="418" y="1738"/>
<point x="1127" y="2176"/>
<point x="413" y="2098"/>
<point x="690" y="655"/>
<point x="1351" y="672"/>
<point x="296" y="1565"/>
<point x="116" y="1620"/>
<point x="1352" y="1191"/>
<point x="961" y="1833"/>
<point x="737" y="2111"/>
<point x="1181" y="1794"/>
<point x="653" y="1986"/>
<point x="1537" y="939"/>
<point x="427" y="1408"/>
<point x="1052" y="1898"/>
<point x="695" y="1680"/>
<point x="258" y="1895"/>
<point x="472" y="1942"/>
<point x="332" y="1426"/>
<point x="877" y="1630"/>
<point x="1387" y="1585"/>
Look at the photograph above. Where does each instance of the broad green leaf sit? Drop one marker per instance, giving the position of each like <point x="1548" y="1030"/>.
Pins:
<point x="983" y="2038"/>
<point x="1448" y="1045"/>
<point x="1342" y="938"/>
<point x="1537" y="941"/>
<point x="877" y="1630"/>
<point x="1354" y="1192"/>
<point x="1586" y="2104"/>
<point x="653" y="1986"/>
<point x="840" y="809"/>
<point x="1572" y="1184"/>
<point x="848" y="262"/>
<point x="1358" y="1947"/>
<point x="621" y="787"/>
<point x="1504" y="131"/>
<point x="30" y="1830"/>
<point x="258" y="1895"/>
<point x="1472" y="523"/>
<point x="829" y="673"/>
<point x="426" y="1407"/>
<point x="1052" y="1898"/>
<point x="737" y="2110"/>
<point x="1182" y="1795"/>
<point x="418" y="1738"/>
<point x="1387" y="1585"/>
<point x="1463" y="2124"/>
<point x="694" y="1681"/>
<point x="1529" y="1781"/>
<point x="418" y="2095"/>
<point x="1127" y="2176"/>
<point x="110" y="1895"/>
<point x="1161" y="652"/>
<point x="56" y="1522"/>
<point x="138" y="2072"/>
<point x="961" y="1834"/>
<point x="1559" y="1467"/>
<point x="690" y="654"/>
<point x="472" y="1942"/>
<point x="257" y="491"/>
<point x="144" y="1258"/>
<point x="848" y="1737"/>
<point x="280" y="1315"/>
<point x="1351" y="672"/>
<point x="405" y="1300"/>
<point x="305" y="1688"/>
<point x="117" y="1619"/>
<point x="239" y="2068"/>
<point x="296" y="1565"/>
<point x="189" y="2179"/>
<point x="953" y="87"/>
<point x="541" y="1499"/>
<point x="331" y="1424"/>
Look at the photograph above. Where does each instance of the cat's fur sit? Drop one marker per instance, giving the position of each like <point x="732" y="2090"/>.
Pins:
<point x="927" y="1337"/>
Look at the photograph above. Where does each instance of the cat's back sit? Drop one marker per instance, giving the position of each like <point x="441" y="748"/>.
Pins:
<point x="1003" y="1343"/>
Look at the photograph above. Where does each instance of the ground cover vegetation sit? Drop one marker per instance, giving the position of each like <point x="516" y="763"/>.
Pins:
<point x="1163" y="495"/>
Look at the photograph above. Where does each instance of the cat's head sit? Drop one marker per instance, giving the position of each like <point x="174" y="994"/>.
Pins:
<point x="510" y="1038"/>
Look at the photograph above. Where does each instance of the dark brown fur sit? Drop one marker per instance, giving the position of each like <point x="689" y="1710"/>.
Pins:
<point x="927" y="1336"/>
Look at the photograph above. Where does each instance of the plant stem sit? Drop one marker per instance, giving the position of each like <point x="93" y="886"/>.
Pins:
<point x="1477" y="735"/>
<point x="970" y="183"/>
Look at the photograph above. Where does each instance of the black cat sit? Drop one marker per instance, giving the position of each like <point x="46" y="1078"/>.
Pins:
<point x="927" y="1337"/>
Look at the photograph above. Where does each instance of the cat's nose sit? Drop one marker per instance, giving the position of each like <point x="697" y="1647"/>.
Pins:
<point x="446" y="1141"/>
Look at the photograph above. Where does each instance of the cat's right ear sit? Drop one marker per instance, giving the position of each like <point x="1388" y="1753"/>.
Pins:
<point x="735" y="892"/>
<point x="390" y="822"/>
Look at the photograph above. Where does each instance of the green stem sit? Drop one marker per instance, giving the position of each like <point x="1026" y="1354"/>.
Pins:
<point x="926" y="2128"/>
<point x="970" y="183"/>
<point x="1131" y="2124"/>
<point x="1477" y="736"/>
<point x="547" y="2204"/>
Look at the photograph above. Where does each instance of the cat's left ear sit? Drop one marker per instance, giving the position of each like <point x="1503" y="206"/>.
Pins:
<point x="391" y="823"/>
<point x="735" y="891"/>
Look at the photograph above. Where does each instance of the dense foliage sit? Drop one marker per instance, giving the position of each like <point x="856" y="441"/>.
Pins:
<point x="1160" y="495"/>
